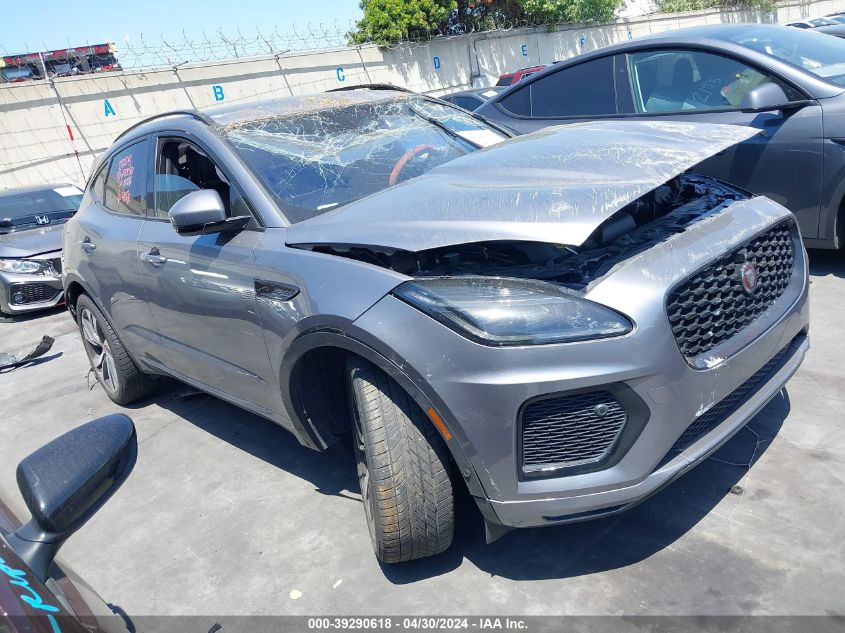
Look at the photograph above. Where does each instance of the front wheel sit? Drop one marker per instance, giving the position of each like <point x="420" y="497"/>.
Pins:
<point x="115" y="370"/>
<point x="403" y="469"/>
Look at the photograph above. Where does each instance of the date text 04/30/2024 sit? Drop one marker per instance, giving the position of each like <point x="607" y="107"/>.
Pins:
<point x="416" y="623"/>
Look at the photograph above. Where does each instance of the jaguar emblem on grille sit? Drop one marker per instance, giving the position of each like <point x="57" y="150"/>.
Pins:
<point x="748" y="277"/>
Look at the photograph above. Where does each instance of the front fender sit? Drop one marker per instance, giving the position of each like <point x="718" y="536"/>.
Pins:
<point x="389" y="363"/>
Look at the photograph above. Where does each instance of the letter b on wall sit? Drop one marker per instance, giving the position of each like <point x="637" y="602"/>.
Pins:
<point x="218" y="92"/>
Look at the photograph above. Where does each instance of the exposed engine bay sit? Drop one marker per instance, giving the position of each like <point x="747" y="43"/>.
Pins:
<point x="650" y="219"/>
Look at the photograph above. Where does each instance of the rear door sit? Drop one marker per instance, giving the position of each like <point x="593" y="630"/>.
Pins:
<point x="201" y="288"/>
<point x="103" y="243"/>
<point x="783" y="162"/>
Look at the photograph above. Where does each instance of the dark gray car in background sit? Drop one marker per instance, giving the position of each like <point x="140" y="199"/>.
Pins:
<point x="786" y="82"/>
<point x="31" y="224"/>
<point x="562" y="322"/>
<point x="473" y="98"/>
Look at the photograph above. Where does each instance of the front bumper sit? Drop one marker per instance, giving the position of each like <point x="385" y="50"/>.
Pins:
<point x="479" y="391"/>
<point x="39" y="291"/>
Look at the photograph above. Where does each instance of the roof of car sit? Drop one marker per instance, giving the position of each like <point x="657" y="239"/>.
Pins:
<point x="834" y="29"/>
<point x="238" y="113"/>
<point x="519" y="71"/>
<point x="475" y="91"/>
<point x="720" y="32"/>
<point x="5" y="193"/>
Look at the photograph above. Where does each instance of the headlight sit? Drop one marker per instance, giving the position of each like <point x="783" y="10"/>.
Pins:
<point x="25" y="266"/>
<point x="497" y="311"/>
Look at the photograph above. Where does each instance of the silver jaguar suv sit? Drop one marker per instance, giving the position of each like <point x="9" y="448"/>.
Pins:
<point x="562" y="322"/>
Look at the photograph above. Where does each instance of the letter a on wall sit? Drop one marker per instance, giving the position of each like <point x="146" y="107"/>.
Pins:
<point x="109" y="108"/>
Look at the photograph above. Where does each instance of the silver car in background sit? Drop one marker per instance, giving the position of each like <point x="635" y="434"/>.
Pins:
<point x="562" y="322"/>
<point x="31" y="224"/>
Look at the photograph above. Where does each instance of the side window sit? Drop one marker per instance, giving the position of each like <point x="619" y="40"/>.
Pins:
<point x="126" y="181"/>
<point x="518" y="102"/>
<point x="467" y="103"/>
<point x="585" y="89"/>
<point x="678" y="80"/>
<point x="94" y="192"/>
<point x="182" y="167"/>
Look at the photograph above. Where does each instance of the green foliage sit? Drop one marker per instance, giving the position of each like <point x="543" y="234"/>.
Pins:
<point x="565" y="11"/>
<point x="676" y="6"/>
<point x="390" y="21"/>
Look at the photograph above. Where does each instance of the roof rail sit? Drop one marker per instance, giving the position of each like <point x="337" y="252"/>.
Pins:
<point x="193" y="113"/>
<point x="371" y="87"/>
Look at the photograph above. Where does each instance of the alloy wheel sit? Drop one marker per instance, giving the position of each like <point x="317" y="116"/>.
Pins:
<point x="99" y="353"/>
<point x="364" y="473"/>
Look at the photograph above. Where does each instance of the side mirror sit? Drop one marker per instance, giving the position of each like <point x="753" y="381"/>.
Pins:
<point x="65" y="482"/>
<point x="769" y="96"/>
<point x="198" y="209"/>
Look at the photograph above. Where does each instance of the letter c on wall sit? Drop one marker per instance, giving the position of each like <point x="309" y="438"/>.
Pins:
<point x="340" y="74"/>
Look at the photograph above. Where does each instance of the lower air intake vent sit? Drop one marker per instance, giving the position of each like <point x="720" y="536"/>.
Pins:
<point x="569" y="430"/>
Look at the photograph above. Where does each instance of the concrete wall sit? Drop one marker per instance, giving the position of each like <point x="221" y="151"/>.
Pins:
<point x="53" y="131"/>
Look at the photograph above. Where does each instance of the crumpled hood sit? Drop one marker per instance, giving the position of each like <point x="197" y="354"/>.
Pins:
<point x="32" y="241"/>
<point x="555" y="185"/>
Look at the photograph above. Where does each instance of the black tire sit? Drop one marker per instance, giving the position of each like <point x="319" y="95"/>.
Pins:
<point x="115" y="370"/>
<point x="403" y="469"/>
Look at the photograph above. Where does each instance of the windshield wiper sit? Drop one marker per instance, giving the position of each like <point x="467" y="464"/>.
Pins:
<point x="442" y="126"/>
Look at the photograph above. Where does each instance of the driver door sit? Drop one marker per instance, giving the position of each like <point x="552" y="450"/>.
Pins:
<point x="783" y="162"/>
<point x="201" y="288"/>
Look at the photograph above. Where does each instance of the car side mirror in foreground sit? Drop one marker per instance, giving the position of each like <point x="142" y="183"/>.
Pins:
<point x="65" y="482"/>
<point x="202" y="212"/>
<point x="769" y="96"/>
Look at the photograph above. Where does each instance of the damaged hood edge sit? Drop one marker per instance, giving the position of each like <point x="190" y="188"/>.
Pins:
<point x="556" y="185"/>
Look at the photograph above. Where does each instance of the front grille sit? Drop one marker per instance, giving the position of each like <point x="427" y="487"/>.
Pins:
<point x="726" y="407"/>
<point x="33" y="293"/>
<point x="711" y="306"/>
<point x="570" y="430"/>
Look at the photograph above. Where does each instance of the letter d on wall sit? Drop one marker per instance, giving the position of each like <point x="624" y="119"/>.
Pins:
<point x="218" y="92"/>
<point x="436" y="61"/>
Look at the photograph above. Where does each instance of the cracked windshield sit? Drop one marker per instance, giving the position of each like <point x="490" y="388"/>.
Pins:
<point x="318" y="161"/>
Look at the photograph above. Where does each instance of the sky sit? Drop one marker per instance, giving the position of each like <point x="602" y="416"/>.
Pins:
<point x="60" y="24"/>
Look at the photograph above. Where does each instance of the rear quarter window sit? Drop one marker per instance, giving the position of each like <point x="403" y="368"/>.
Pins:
<point x="585" y="89"/>
<point x="518" y="102"/>
<point x="126" y="181"/>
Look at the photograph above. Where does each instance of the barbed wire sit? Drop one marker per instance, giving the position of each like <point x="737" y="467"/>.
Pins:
<point x="150" y="52"/>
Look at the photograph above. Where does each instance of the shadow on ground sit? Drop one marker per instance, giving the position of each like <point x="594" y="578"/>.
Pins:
<point x="824" y="263"/>
<point x="31" y="316"/>
<point x="538" y="553"/>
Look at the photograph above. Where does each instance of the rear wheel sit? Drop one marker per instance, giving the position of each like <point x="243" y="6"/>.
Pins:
<point x="403" y="469"/>
<point x="115" y="370"/>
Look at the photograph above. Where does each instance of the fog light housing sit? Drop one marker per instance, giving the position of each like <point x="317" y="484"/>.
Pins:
<point x="19" y="297"/>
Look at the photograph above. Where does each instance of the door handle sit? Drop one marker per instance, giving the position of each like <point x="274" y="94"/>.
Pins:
<point x="154" y="258"/>
<point x="87" y="245"/>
